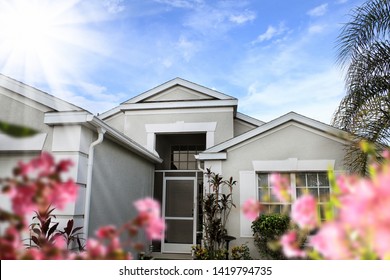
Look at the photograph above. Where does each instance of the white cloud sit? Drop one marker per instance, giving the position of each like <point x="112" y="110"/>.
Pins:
<point x="114" y="6"/>
<point x="318" y="11"/>
<point x="186" y="48"/>
<point x="180" y="3"/>
<point x="270" y="33"/>
<point x="241" y="18"/>
<point x="316" y="28"/>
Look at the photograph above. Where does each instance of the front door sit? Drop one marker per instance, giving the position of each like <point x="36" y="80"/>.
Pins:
<point x="179" y="212"/>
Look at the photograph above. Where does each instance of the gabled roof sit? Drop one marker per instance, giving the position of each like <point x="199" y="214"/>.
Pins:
<point x="206" y="97"/>
<point x="289" y="117"/>
<point x="89" y="120"/>
<point x="36" y="95"/>
<point x="248" y="119"/>
<point x="178" y="82"/>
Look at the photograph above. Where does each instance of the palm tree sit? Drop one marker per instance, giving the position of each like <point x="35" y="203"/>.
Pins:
<point x="364" y="52"/>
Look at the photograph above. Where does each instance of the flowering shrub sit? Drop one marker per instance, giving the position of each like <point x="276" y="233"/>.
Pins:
<point x="38" y="186"/>
<point x="357" y="224"/>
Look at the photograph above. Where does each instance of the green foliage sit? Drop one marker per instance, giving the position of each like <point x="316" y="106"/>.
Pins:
<point x="241" y="252"/>
<point x="202" y="253"/>
<point x="267" y="229"/>
<point x="16" y="130"/>
<point x="216" y="206"/>
<point x="364" y="50"/>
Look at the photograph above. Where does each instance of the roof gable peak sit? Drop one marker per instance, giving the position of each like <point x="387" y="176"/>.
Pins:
<point x="185" y="90"/>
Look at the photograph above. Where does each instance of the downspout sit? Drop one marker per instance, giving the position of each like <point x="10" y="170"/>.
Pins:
<point x="87" y="208"/>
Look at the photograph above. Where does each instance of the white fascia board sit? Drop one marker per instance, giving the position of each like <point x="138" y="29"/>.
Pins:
<point x="211" y="156"/>
<point x="13" y="144"/>
<point x="292" y="116"/>
<point x="179" y="104"/>
<point x="109" y="113"/>
<point x="37" y="95"/>
<point x="62" y="118"/>
<point x="248" y="119"/>
<point x="181" y="82"/>
<point x="83" y="118"/>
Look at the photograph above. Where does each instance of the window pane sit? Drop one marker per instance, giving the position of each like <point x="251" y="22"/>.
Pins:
<point x="263" y="180"/>
<point x="301" y="191"/>
<point x="264" y="194"/>
<point x="324" y="194"/>
<point x="300" y="179"/>
<point x="323" y="179"/>
<point x="191" y="165"/>
<point x="313" y="192"/>
<point x="312" y="180"/>
<point x="183" y="156"/>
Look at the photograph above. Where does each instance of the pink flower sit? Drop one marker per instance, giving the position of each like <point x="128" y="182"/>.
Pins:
<point x="304" y="212"/>
<point x="148" y="206"/>
<point x="251" y="209"/>
<point x="106" y="232"/>
<point x="155" y="230"/>
<point x="149" y="217"/>
<point x="22" y="198"/>
<point x="331" y="241"/>
<point x="280" y="187"/>
<point x="290" y="245"/>
<point x="40" y="166"/>
<point x="63" y="193"/>
<point x="95" y="249"/>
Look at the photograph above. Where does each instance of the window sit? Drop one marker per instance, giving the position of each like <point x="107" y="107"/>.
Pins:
<point x="183" y="156"/>
<point x="315" y="183"/>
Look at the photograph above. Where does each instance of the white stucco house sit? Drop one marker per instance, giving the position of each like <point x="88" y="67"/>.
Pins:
<point x="157" y="144"/>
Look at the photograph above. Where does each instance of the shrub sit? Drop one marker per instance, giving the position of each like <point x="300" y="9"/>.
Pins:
<point x="267" y="229"/>
<point x="241" y="252"/>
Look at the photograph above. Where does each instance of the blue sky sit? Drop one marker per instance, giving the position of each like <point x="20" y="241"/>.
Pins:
<point x="274" y="56"/>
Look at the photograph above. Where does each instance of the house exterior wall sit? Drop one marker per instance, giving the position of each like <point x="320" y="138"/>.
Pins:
<point x="290" y="141"/>
<point x="30" y="115"/>
<point x="119" y="178"/>
<point x="135" y="121"/>
<point x="241" y="127"/>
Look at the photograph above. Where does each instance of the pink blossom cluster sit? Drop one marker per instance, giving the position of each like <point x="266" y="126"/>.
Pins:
<point x="358" y="228"/>
<point x="362" y="224"/>
<point x="38" y="185"/>
<point x="149" y="217"/>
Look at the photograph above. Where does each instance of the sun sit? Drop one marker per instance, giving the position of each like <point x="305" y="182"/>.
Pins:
<point x="43" y="41"/>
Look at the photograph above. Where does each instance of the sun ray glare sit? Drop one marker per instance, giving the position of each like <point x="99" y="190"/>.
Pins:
<point x="44" y="42"/>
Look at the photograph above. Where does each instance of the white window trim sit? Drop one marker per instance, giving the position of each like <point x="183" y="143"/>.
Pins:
<point x="292" y="165"/>
<point x="248" y="179"/>
<point x="180" y="127"/>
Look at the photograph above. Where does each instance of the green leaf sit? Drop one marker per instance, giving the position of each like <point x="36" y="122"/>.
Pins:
<point x="16" y="130"/>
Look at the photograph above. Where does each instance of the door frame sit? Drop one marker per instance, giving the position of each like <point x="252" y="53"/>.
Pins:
<point x="180" y="248"/>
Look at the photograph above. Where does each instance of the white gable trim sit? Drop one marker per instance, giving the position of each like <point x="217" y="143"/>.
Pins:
<point x="179" y="104"/>
<point x="181" y="82"/>
<point x="247" y="119"/>
<point x="180" y="127"/>
<point x="328" y="130"/>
